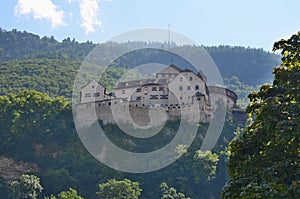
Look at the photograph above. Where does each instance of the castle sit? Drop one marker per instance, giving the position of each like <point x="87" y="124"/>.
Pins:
<point x="172" y="90"/>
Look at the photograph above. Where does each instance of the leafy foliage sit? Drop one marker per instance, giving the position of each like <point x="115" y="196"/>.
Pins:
<point x="38" y="128"/>
<point x="23" y="45"/>
<point x="264" y="160"/>
<point x="54" y="77"/>
<point x="71" y="194"/>
<point x="170" y="192"/>
<point x="30" y="118"/>
<point x="122" y="189"/>
<point x="231" y="61"/>
<point x="27" y="187"/>
<point x="204" y="166"/>
<point x="242" y="90"/>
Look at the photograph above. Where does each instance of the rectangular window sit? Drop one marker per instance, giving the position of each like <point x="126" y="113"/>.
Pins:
<point x="96" y="94"/>
<point x="191" y="78"/>
<point x="154" y="88"/>
<point x="164" y="97"/>
<point x="153" y="96"/>
<point x="87" y="95"/>
<point x="188" y="88"/>
<point x="180" y="79"/>
<point x="180" y="88"/>
<point x="138" y="90"/>
<point x="138" y="98"/>
<point x="161" y="88"/>
<point x="123" y="91"/>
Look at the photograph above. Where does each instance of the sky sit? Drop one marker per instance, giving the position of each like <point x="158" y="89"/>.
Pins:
<point x="255" y="23"/>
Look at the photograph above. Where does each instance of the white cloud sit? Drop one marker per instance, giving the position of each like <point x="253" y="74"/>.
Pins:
<point x="41" y="9"/>
<point x="89" y="14"/>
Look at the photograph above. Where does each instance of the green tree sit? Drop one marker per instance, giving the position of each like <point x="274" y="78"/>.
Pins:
<point x="114" y="189"/>
<point x="31" y="117"/>
<point x="27" y="187"/>
<point x="170" y="192"/>
<point x="264" y="160"/>
<point x="71" y="194"/>
<point x="204" y="166"/>
<point x="57" y="180"/>
<point x="50" y="197"/>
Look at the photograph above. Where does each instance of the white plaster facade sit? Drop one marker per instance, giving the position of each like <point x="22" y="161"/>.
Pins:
<point x="217" y="93"/>
<point x="172" y="88"/>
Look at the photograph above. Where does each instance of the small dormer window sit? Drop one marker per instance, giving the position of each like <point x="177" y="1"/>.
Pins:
<point x="180" y="79"/>
<point x="197" y="87"/>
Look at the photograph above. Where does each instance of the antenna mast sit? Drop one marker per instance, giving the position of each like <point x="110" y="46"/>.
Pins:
<point x="169" y="36"/>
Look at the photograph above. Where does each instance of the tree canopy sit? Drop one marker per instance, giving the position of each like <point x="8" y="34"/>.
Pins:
<point x="264" y="160"/>
<point x="119" y="189"/>
<point x="28" y="186"/>
<point x="170" y="192"/>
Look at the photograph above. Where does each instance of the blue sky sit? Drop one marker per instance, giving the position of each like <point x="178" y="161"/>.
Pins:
<point x="255" y="23"/>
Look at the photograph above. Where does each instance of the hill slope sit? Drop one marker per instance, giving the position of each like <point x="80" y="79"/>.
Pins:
<point x="44" y="64"/>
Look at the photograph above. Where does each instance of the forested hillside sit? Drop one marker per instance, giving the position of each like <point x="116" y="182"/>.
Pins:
<point x="39" y="129"/>
<point x="37" y="126"/>
<point x="47" y="65"/>
<point x="251" y="66"/>
<point x="23" y="45"/>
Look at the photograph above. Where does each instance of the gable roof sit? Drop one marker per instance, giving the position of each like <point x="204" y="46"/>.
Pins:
<point x="89" y="82"/>
<point x="187" y="70"/>
<point x="171" y="69"/>
<point x="198" y="94"/>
